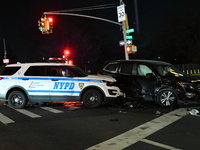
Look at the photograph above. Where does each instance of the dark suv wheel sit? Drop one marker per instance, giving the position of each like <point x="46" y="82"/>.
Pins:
<point x="167" y="98"/>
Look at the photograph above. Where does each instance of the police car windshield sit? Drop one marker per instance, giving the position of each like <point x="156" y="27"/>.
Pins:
<point x="168" y="70"/>
<point x="78" y="71"/>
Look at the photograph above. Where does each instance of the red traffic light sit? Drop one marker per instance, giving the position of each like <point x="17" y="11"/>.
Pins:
<point x="66" y="53"/>
<point x="50" y="19"/>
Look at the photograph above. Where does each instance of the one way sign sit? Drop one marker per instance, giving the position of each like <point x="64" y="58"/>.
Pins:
<point x="128" y="42"/>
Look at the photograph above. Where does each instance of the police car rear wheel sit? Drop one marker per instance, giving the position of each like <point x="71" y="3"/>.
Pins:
<point x="92" y="98"/>
<point x="17" y="100"/>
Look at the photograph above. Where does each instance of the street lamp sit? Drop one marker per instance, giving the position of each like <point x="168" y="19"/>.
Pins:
<point x="5" y="52"/>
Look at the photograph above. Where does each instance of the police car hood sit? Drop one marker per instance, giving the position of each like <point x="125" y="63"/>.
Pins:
<point x="102" y="77"/>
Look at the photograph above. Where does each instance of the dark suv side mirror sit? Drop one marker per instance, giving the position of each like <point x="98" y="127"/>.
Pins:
<point x="150" y="76"/>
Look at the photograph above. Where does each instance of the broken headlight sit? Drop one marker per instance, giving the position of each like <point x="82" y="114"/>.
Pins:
<point x="186" y="85"/>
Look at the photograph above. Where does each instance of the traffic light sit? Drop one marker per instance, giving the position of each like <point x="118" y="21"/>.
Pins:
<point x="131" y="49"/>
<point x="45" y="25"/>
<point x="42" y="25"/>
<point x="66" y="53"/>
<point x="49" y="24"/>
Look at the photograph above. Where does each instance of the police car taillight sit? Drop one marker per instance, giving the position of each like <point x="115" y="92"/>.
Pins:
<point x="1" y="78"/>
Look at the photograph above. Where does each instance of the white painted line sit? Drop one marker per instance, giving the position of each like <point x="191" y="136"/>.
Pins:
<point x="5" y="120"/>
<point x="52" y="110"/>
<point x="134" y="135"/>
<point x="159" y="145"/>
<point x="28" y="113"/>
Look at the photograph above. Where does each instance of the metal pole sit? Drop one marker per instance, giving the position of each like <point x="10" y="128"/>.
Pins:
<point x="4" y="47"/>
<point x="5" y="52"/>
<point x="124" y="35"/>
<point x="136" y="17"/>
<point x="80" y="15"/>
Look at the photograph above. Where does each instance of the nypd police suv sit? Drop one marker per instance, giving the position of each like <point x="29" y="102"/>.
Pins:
<point x="54" y="82"/>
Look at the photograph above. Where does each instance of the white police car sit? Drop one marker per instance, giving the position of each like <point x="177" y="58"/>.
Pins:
<point x="54" y="82"/>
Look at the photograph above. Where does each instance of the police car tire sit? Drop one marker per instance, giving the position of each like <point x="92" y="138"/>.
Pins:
<point x="167" y="98"/>
<point x="17" y="100"/>
<point x="92" y="98"/>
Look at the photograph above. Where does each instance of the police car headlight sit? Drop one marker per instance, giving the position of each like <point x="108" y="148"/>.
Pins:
<point x="186" y="85"/>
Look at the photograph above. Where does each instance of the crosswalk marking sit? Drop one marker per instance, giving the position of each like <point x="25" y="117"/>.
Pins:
<point x="136" y="134"/>
<point x="159" y="144"/>
<point x="28" y="113"/>
<point x="5" y="120"/>
<point x="51" y="109"/>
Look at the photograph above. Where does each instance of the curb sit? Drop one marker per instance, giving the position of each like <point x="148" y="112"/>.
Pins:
<point x="2" y="102"/>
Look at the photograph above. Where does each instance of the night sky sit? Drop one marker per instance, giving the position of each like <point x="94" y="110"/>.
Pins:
<point x="87" y="38"/>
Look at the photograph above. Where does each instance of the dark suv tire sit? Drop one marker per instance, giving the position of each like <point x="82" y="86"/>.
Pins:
<point x="167" y="98"/>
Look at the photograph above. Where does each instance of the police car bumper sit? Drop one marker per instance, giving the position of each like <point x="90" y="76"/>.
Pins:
<point x="115" y="96"/>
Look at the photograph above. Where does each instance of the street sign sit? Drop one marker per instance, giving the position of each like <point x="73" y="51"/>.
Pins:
<point x="129" y="30"/>
<point x="130" y="37"/>
<point x="128" y="42"/>
<point x="121" y="43"/>
<point x="121" y="13"/>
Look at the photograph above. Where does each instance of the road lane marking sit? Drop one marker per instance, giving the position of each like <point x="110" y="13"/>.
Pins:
<point x="5" y="120"/>
<point x="136" y="134"/>
<point x="28" y="113"/>
<point x="159" y="144"/>
<point x="51" y="110"/>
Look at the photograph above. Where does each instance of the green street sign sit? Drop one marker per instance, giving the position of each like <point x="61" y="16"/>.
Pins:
<point x="129" y="30"/>
<point x="129" y="37"/>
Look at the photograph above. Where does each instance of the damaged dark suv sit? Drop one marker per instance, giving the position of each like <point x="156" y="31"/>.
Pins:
<point x="152" y="80"/>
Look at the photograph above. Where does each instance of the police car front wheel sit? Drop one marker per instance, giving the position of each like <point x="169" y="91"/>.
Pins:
<point x="17" y="100"/>
<point x="92" y="98"/>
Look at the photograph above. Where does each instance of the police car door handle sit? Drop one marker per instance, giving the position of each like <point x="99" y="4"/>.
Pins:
<point x="25" y="79"/>
<point x="54" y="80"/>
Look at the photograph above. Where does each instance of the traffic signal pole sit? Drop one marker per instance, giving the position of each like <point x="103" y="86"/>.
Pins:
<point x="124" y="35"/>
<point x="125" y="41"/>
<point x="122" y="24"/>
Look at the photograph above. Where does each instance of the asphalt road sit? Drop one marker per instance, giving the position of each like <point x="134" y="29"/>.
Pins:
<point x="137" y="127"/>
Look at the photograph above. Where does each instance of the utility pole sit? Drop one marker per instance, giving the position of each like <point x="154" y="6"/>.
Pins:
<point x="124" y="35"/>
<point x="5" y="60"/>
<point x="5" y="52"/>
<point x="136" y="18"/>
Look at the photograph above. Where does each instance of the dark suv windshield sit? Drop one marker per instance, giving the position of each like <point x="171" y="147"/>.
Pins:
<point x="167" y="70"/>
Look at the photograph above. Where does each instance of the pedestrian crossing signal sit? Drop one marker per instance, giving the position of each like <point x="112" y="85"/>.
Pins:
<point x="130" y="49"/>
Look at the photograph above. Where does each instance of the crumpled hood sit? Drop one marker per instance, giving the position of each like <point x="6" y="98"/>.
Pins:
<point x="102" y="77"/>
<point x="193" y="79"/>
